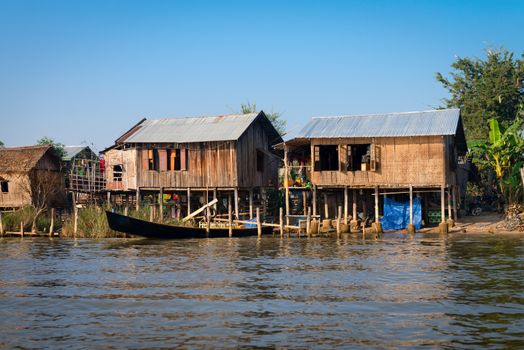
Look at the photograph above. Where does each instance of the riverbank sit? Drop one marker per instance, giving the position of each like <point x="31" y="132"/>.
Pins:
<point x="489" y="222"/>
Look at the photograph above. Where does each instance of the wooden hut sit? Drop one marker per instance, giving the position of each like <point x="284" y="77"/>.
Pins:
<point x="30" y="175"/>
<point x="373" y="156"/>
<point x="194" y="159"/>
<point x="84" y="171"/>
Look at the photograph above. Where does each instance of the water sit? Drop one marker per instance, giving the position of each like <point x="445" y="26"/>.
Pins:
<point x="464" y="291"/>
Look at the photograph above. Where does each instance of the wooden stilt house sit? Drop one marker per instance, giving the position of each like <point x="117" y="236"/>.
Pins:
<point x="363" y="159"/>
<point x="192" y="160"/>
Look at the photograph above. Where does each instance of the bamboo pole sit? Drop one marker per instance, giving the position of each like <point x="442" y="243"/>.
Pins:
<point x="21" y="228"/>
<point x="281" y="222"/>
<point x="259" y="224"/>
<point x="52" y="224"/>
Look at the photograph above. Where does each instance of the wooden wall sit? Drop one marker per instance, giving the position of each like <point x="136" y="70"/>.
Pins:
<point x="401" y="161"/>
<point x="17" y="196"/>
<point x="127" y="158"/>
<point x="255" y="138"/>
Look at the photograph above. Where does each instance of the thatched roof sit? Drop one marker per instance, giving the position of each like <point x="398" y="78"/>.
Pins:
<point x="21" y="159"/>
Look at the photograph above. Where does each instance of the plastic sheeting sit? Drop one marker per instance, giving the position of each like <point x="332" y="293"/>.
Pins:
<point x="396" y="214"/>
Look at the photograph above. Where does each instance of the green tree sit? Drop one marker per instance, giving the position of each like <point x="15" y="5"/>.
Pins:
<point x="274" y="117"/>
<point x="502" y="153"/>
<point x="58" y="147"/>
<point x="484" y="89"/>
<point x="1" y="144"/>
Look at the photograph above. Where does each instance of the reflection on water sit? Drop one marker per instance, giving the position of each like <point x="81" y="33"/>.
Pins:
<point x="464" y="291"/>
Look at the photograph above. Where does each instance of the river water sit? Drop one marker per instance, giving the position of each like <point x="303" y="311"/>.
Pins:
<point x="461" y="291"/>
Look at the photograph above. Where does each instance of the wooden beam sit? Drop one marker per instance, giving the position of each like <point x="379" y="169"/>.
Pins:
<point x="251" y="203"/>
<point x="449" y="203"/>
<point x="354" y="209"/>
<point x="229" y="216"/>
<point x="281" y="222"/>
<point x="259" y="224"/>
<point x="314" y="200"/>
<point x="201" y="209"/>
<point x="161" y="200"/>
<point x="442" y="204"/>
<point x="188" y="200"/>
<point x="377" y="220"/>
<point x="455" y="210"/>
<point x="137" y="204"/>
<point x="304" y="202"/>
<point x="410" y="204"/>
<point x="236" y="204"/>
<point x="326" y="206"/>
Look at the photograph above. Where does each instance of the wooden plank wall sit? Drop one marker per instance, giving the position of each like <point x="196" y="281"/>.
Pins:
<point x="255" y="138"/>
<point x="420" y="161"/>
<point x="127" y="158"/>
<point x="17" y="195"/>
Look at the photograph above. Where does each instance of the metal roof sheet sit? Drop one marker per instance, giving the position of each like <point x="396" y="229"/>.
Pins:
<point x="71" y="151"/>
<point x="424" y="123"/>
<point x="192" y="129"/>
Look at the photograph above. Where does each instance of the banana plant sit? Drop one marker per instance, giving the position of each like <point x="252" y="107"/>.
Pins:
<point x="503" y="153"/>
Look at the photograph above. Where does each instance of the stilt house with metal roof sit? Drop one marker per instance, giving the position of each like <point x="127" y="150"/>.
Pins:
<point x="386" y="154"/>
<point x="192" y="159"/>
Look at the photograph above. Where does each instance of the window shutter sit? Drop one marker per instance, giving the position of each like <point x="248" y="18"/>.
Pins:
<point x="373" y="158"/>
<point x="145" y="159"/>
<point x="162" y="158"/>
<point x="183" y="165"/>
<point x="316" y="157"/>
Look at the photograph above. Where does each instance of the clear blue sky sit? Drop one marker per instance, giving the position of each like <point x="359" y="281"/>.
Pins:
<point x="87" y="70"/>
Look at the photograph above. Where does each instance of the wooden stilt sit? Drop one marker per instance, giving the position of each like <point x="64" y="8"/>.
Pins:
<point x="75" y="225"/>
<point x="286" y="184"/>
<point x="151" y="213"/>
<point x="251" y="203"/>
<point x="308" y="222"/>
<point x="208" y="219"/>
<point x="378" y="225"/>
<point x="354" y="221"/>
<point x="364" y="206"/>
<point x="21" y="228"/>
<point x="237" y="216"/>
<point x="443" y="227"/>
<point x="108" y="199"/>
<point x="1" y="225"/>
<point x="304" y="202"/>
<point x="326" y="207"/>
<point x="454" y="196"/>
<point x="161" y="205"/>
<point x="314" y="200"/>
<point x="126" y="210"/>
<point x="281" y="222"/>
<point x="137" y="204"/>
<point x="411" y="227"/>
<point x="215" y="197"/>
<point x="346" y="200"/>
<point x="259" y="223"/>
<point x="339" y="217"/>
<point x="188" y="200"/>
<point x="229" y="216"/>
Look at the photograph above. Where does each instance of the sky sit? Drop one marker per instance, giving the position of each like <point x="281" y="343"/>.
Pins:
<point x="83" y="72"/>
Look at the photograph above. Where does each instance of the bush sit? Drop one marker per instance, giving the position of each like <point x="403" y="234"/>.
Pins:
<point x="92" y="223"/>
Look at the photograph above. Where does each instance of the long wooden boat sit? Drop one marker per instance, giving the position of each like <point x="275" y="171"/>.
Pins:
<point x="142" y="228"/>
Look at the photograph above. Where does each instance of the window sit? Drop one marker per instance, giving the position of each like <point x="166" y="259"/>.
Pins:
<point x="117" y="172"/>
<point x="326" y="158"/>
<point x="260" y="161"/>
<point x="4" y="185"/>
<point x="152" y="159"/>
<point x="177" y="159"/>
<point x="361" y="157"/>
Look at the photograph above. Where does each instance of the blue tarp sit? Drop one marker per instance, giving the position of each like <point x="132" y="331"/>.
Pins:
<point x="396" y="214"/>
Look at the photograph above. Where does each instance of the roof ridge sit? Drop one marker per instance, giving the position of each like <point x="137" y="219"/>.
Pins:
<point x="207" y="116"/>
<point x="385" y="113"/>
<point x="24" y="147"/>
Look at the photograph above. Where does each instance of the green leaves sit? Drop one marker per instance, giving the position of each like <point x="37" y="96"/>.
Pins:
<point x="494" y="131"/>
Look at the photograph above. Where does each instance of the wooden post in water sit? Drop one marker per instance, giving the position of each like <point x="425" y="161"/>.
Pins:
<point x="208" y="220"/>
<point x="308" y="222"/>
<point x="108" y="199"/>
<point x="304" y="201"/>
<point x="411" y="227"/>
<point x="75" y="226"/>
<point x="455" y="211"/>
<point x="259" y="223"/>
<point x="52" y="224"/>
<point x="1" y="225"/>
<point x="451" y="222"/>
<point x="215" y="197"/>
<point x="237" y="212"/>
<point x="251" y="203"/>
<point x="314" y="200"/>
<point x="339" y="217"/>
<point x="354" y="222"/>
<point x="126" y="210"/>
<point x="281" y="221"/>
<point x="161" y="205"/>
<point x="364" y="207"/>
<point x="188" y="200"/>
<point x="346" y="204"/>
<point x="326" y="207"/>
<point x="137" y="203"/>
<point x="21" y="228"/>
<point x="443" y="226"/>
<point x="229" y="216"/>
<point x="151" y="214"/>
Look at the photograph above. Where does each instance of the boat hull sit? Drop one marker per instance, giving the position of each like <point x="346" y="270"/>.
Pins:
<point x="142" y="228"/>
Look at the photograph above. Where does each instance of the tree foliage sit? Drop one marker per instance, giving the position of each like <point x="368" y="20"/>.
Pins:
<point x="274" y="117"/>
<point x="58" y="148"/>
<point x="1" y="144"/>
<point x="484" y="89"/>
<point x="502" y="153"/>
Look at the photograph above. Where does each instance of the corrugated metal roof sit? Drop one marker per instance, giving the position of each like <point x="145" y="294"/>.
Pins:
<point x="192" y="129"/>
<point x="71" y="151"/>
<point x="424" y="123"/>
